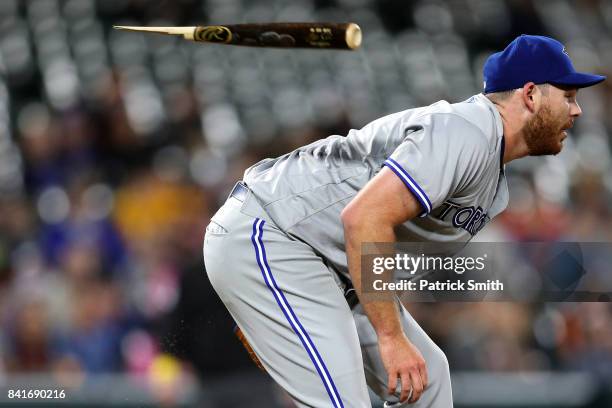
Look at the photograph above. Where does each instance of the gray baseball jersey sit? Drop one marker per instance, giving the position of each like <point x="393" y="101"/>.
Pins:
<point x="448" y="155"/>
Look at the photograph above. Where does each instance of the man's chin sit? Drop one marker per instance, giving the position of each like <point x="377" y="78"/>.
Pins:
<point x="548" y="150"/>
<point x="557" y="149"/>
<point x="560" y="144"/>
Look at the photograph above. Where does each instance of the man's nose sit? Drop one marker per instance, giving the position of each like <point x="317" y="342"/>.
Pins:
<point x="575" y="110"/>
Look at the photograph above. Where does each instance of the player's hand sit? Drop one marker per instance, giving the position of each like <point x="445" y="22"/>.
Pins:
<point x="402" y="360"/>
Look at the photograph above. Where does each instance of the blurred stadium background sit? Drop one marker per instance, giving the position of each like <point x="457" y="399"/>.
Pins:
<point x="116" y="148"/>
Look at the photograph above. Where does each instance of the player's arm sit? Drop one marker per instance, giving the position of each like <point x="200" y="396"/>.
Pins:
<point x="372" y="216"/>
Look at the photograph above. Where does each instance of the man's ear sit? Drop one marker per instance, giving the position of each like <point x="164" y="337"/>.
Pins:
<point x="530" y="96"/>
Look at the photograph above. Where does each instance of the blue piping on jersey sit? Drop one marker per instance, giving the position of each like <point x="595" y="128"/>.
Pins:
<point x="411" y="184"/>
<point x="291" y="317"/>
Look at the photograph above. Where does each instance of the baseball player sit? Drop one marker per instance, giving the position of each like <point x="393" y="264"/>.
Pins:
<point x="287" y="242"/>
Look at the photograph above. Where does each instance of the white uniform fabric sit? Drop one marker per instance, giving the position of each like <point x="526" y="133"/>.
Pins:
<point x="293" y="313"/>
<point x="448" y="155"/>
<point x="275" y="256"/>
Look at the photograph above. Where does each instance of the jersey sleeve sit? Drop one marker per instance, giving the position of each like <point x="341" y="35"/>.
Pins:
<point x="437" y="157"/>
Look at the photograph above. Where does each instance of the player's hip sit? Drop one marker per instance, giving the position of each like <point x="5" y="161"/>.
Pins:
<point x="235" y="216"/>
<point x="234" y="239"/>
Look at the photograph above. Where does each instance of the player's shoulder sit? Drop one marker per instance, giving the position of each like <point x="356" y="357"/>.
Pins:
<point x="472" y="121"/>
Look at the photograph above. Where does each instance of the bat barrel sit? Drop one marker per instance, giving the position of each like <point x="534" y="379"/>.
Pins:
<point x="353" y="36"/>
<point x="285" y="35"/>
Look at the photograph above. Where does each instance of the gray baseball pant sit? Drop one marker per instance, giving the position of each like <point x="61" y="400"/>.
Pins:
<point x="293" y="313"/>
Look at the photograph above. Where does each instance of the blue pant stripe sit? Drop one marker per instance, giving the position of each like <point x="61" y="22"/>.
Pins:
<point x="291" y="317"/>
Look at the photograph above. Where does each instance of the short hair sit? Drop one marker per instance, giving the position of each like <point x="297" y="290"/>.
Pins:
<point x="497" y="97"/>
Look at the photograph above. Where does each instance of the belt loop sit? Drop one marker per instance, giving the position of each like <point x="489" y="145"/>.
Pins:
<point x="239" y="192"/>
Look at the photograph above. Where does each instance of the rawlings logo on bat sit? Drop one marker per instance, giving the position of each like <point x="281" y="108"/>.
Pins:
<point x="218" y="34"/>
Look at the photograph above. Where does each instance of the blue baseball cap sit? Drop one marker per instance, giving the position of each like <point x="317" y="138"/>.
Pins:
<point x="533" y="58"/>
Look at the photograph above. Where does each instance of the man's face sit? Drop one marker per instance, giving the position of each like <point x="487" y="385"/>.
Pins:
<point x="545" y="132"/>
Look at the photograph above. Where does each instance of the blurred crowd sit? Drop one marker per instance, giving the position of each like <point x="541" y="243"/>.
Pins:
<point x="116" y="148"/>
